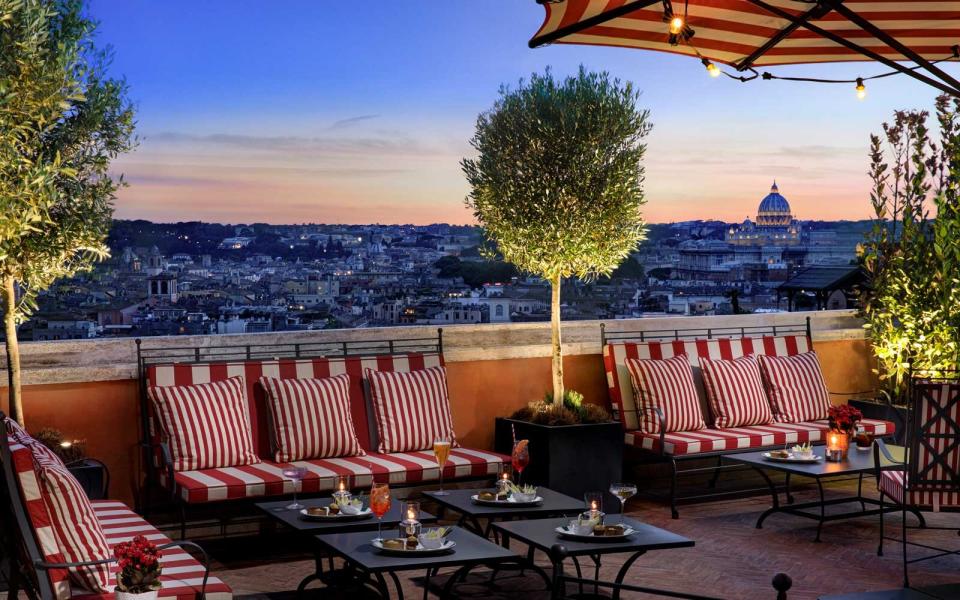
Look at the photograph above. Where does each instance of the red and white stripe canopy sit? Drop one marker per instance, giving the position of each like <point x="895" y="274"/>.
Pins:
<point x="746" y="33"/>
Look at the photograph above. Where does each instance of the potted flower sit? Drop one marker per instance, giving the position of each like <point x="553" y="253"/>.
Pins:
<point x="557" y="185"/>
<point x="139" y="574"/>
<point x="843" y="420"/>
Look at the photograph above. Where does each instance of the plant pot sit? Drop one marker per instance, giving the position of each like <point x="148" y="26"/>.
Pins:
<point x="570" y="459"/>
<point x="873" y="409"/>
<point x="151" y="595"/>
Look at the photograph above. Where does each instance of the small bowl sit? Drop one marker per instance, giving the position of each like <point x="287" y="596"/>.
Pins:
<point x="803" y="455"/>
<point x="351" y="509"/>
<point x="521" y="497"/>
<point x="577" y="528"/>
<point x="431" y="543"/>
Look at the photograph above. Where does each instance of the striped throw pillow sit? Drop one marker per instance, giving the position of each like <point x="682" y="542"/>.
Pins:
<point x="311" y="418"/>
<point x="206" y="425"/>
<point x="735" y="392"/>
<point x="412" y="408"/>
<point x="795" y="387"/>
<point x="76" y="528"/>
<point x="666" y="384"/>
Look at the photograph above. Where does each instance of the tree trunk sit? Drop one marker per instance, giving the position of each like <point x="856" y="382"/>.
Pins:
<point x="9" y="294"/>
<point x="555" y="341"/>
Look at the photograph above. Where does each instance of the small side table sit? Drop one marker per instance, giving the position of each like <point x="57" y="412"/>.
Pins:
<point x="93" y="475"/>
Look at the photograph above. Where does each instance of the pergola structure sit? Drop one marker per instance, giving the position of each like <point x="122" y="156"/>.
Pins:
<point x="910" y="37"/>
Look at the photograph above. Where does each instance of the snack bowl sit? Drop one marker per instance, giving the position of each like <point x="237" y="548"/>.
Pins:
<point x="577" y="527"/>
<point x="351" y="509"/>
<point x="523" y="497"/>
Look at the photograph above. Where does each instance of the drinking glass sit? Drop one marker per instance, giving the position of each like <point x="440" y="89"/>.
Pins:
<point x="441" y="450"/>
<point x="380" y="504"/>
<point x="623" y="492"/>
<point x="520" y="457"/>
<point x="296" y="475"/>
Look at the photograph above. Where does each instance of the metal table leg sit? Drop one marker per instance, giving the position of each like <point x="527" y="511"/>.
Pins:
<point x="621" y="575"/>
<point x="773" y="495"/>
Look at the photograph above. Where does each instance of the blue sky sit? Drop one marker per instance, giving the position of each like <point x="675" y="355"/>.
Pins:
<point x="327" y="111"/>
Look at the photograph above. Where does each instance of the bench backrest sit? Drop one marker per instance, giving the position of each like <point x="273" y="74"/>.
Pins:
<point x="252" y="370"/>
<point x="615" y="355"/>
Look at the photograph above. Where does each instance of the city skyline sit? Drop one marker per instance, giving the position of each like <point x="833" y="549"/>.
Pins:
<point x="327" y="114"/>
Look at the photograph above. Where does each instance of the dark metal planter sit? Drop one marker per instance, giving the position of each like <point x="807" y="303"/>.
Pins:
<point x="570" y="459"/>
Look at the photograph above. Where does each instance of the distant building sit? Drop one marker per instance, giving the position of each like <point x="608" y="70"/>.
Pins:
<point x="775" y="224"/>
<point x="163" y="287"/>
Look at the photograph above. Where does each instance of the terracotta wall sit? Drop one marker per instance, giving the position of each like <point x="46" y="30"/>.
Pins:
<point x="105" y="414"/>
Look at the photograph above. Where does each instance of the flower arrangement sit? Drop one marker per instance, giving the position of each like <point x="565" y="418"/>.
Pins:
<point x="139" y="561"/>
<point x="844" y="418"/>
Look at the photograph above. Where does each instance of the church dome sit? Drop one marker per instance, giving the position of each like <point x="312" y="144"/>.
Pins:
<point x="774" y="203"/>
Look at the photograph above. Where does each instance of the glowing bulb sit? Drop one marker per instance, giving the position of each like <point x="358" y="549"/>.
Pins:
<point x="861" y="89"/>
<point x="676" y="25"/>
<point x="712" y="69"/>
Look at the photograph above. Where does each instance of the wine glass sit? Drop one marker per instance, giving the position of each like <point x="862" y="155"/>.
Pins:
<point x="380" y="504"/>
<point x="296" y="475"/>
<point x="623" y="491"/>
<point x="520" y="457"/>
<point x="441" y="451"/>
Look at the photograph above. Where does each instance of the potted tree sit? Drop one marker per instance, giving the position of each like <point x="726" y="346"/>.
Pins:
<point x="910" y="302"/>
<point x="557" y="184"/>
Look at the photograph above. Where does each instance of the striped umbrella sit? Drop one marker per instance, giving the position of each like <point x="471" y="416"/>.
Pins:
<point x="747" y="34"/>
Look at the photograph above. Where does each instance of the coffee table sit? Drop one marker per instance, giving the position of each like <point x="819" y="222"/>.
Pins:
<point x="540" y="534"/>
<point x="359" y="555"/>
<point x="554" y="504"/>
<point x="857" y="462"/>
<point x="277" y="510"/>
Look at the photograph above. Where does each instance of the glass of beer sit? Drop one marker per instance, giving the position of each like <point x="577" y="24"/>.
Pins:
<point x="441" y="450"/>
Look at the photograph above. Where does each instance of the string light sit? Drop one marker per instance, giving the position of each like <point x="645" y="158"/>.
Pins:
<point x="712" y="69"/>
<point x="676" y="25"/>
<point x="861" y="89"/>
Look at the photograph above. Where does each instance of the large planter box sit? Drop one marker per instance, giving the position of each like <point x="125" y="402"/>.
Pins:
<point x="570" y="459"/>
<point x="873" y="409"/>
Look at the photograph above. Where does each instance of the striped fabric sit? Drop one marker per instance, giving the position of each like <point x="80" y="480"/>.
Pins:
<point x="266" y="478"/>
<point x="36" y="509"/>
<point x="795" y="387"/>
<point x="616" y="354"/>
<point x="311" y="418"/>
<point x="182" y="575"/>
<point x="412" y="409"/>
<point x="892" y="483"/>
<point x="668" y="385"/>
<point x="20" y="435"/>
<point x="938" y="444"/>
<point x="75" y="526"/>
<point x="735" y="391"/>
<point x="729" y="31"/>
<point x="205" y="425"/>
<point x="743" y="438"/>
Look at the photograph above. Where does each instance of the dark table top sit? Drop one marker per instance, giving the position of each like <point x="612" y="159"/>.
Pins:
<point x="541" y="534"/>
<point x="470" y="549"/>
<point x="857" y="461"/>
<point x="277" y="509"/>
<point x="554" y="503"/>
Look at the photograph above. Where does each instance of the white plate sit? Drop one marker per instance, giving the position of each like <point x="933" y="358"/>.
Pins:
<point x="508" y="502"/>
<point x="813" y="459"/>
<point x="627" y="532"/>
<point x="448" y="545"/>
<point x="363" y="514"/>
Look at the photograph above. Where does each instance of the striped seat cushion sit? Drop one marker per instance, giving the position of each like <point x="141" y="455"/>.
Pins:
<point x="76" y="528"/>
<point x="412" y="409"/>
<point x="206" y="425"/>
<point x="266" y="478"/>
<point x="18" y="434"/>
<point x="668" y="385"/>
<point x="892" y="484"/>
<point x="182" y="576"/>
<point x="743" y="438"/>
<point x="735" y="392"/>
<point x="311" y="418"/>
<point x="795" y="387"/>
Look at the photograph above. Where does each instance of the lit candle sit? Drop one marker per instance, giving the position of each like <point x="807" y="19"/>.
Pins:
<point x="411" y="515"/>
<point x="593" y="506"/>
<point x="65" y="444"/>
<point x="834" y="441"/>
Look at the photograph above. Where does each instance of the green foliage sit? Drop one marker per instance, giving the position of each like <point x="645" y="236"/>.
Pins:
<point x="573" y="411"/>
<point x="475" y="273"/>
<point x="911" y="301"/>
<point x="62" y="121"/>
<point x="557" y="182"/>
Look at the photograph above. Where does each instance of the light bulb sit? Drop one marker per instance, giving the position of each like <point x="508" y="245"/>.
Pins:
<point x="861" y="89"/>
<point x="676" y="25"/>
<point x="712" y="69"/>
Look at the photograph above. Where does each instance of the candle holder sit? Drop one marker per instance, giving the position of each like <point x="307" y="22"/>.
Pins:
<point x="837" y="444"/>
<point x="594" y="503"/>
<point x="503" y="480"/>
<point x="410" y="524"/>
<point x="341" y="494"/>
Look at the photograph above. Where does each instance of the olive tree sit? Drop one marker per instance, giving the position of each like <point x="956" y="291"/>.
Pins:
<point x="62" y="121"/>
<point x="557" y="181"/>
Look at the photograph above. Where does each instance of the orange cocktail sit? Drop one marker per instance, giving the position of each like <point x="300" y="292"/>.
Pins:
<point x="379" y="503"/>
<point x="441" y="451"/>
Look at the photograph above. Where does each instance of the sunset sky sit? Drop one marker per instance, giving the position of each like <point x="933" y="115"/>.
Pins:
<point x="359" y="112"/>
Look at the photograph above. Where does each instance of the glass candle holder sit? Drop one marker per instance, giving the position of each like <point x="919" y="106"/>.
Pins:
<point x="410" y="523"/>
<point x="341" y="493"/>
<point x="837" y="443"/>
<point x="503" y="479"/>
<point x="593" y="502"/>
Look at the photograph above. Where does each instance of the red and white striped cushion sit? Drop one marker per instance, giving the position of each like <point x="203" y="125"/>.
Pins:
<point x="18" y="434"/>
<point x="75" y="526"/>
<point x="668" y="385"/>
<point x="795" y="387"/>
<point x="735" y="392"/>
<point x="412" y="409"/>
<point x="206" y="425"/>
<point x="311" y="418"/>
